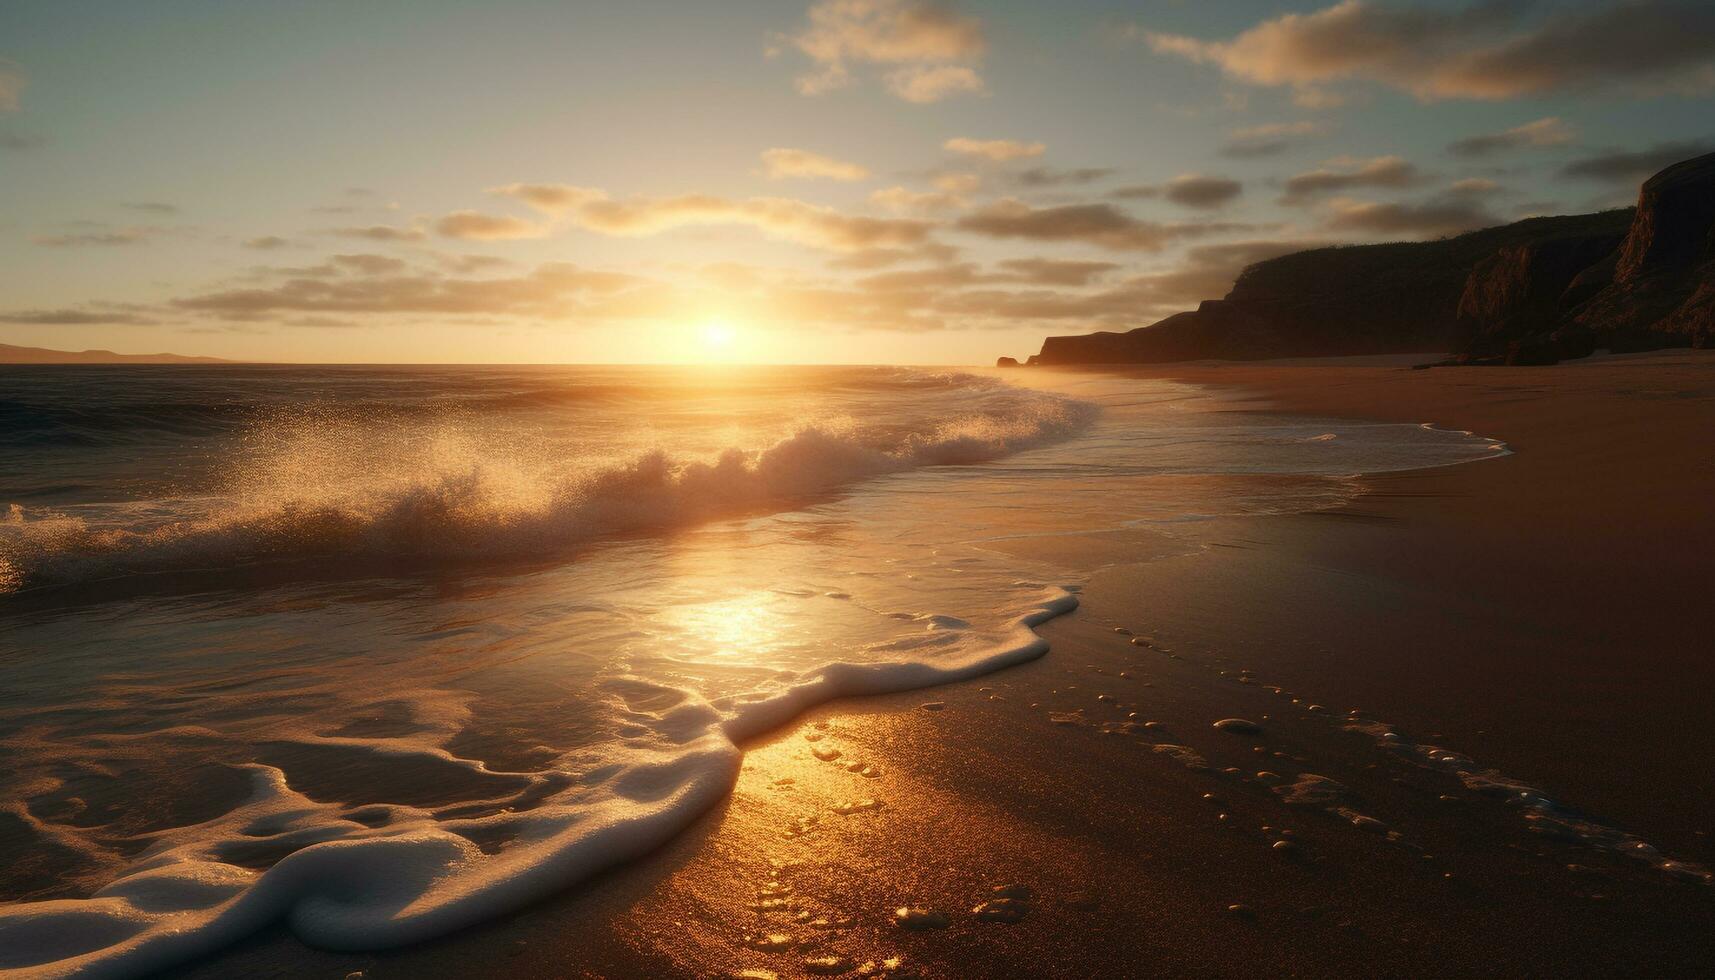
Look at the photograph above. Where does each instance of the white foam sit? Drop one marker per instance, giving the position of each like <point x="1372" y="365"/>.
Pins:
<point x="316" y="497"/>
<point x="354" y="887"/>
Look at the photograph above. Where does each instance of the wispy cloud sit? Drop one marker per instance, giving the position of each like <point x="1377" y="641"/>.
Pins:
<point x="930" y="48"/>
<point x="786" y="219"/>
<point x="1543" y="132"/>
<point x="1345" y="174"/>
<point x="381" y="233"/>
<point x="783" y="162"/>
<point x="999" y="151"/>
<point x="478" y="227"/>
<point x="1187" y="190"/>
<point x="1101" y="225"/>
<point x="1633" y="166"/>
<point x="1485" y="50"/>
<point x="1270" y="139"/>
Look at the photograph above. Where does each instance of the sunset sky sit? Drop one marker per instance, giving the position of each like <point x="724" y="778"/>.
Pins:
<point x="845" y="181"/>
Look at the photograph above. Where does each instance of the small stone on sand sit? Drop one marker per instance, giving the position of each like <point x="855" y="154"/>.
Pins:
<point x="1239" y="726"/>
<point x="824" y="754"/>
<point x="912" y="917"/>
<point x="934" y="705"/>
<point x="1002" y="910"/>
<point x="827" y="965"/>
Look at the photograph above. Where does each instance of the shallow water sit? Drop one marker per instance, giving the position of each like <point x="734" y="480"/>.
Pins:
<point x="383" y="652"/>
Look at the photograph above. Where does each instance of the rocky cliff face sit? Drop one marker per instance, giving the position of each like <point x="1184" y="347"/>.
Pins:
<point x="1535" y="291"/>
<point x="1663" y="287"/>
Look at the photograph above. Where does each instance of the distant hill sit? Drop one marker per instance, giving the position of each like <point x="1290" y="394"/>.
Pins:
<point x="1532" y="292"/>
<point x="11" y="354"/>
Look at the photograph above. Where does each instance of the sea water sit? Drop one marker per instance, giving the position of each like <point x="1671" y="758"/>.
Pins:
<point x="383" y="652"/>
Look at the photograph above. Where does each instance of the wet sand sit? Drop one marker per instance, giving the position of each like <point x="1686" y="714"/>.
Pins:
<point x="1544" y="616"/>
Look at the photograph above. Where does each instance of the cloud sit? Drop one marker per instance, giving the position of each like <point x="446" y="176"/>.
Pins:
<point x="474" y="226"/>
<point x="782" y="218"/>
<point x="776" y="217"/>
<point x="150" y="207"/>
<point x="555" y="199"/>
<point x="881" y="258"/>
<point x="381" y="233"/>
<point x="12" y="80"/>
<point x="1186" y="190"/>
<point x="902" y="200"/>
<point x="1388" y="171"/>
<point x="1102" y="225"/>
<point x="1630" y="167"/>
<point x="780" y="162"/>
<point x="932" y="47"/>
<point x="554" y="291"/>
<point x="925" y="85"/>
<point x="1269" y="139"/>
<point x="72" y="318"/>
<point x="1470" y="51"/>
<point x="1203" y="191"/>
<point x="1436" y="217"/>
<point x="1542" y="132"/>
<point x="999" y="151"/>
<point x="121" y="236"/>
<point x="1474" y="187"/>
<point x="266" y="242"/>
<point x="1049" y="177"/>
<point x="1056" y="272"/>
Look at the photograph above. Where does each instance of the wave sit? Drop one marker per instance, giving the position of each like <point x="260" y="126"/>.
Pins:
<point x="383" y="876"/>
<point x="318" y="489"/>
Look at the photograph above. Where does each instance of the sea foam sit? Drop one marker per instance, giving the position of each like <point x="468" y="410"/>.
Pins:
<point x="316" y="492"/>
<point x="352" y="884"/>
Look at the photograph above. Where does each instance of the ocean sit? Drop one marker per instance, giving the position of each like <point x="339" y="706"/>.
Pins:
<point x="381" y="652"/>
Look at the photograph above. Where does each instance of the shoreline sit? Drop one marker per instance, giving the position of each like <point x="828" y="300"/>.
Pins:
<point x="1118" y="842"/>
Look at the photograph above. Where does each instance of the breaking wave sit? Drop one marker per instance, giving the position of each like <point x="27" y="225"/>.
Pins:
<point x="312" y="490"/>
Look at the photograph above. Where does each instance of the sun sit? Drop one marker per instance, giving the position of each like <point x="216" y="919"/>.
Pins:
<point x="718" y="337"/>
<point x="717" y="334"/>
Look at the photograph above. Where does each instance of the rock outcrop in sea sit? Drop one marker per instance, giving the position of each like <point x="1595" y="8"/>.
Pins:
<point x="1532" y="292"/>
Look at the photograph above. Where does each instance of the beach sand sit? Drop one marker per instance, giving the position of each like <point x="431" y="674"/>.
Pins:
<point x="1545" y="614"/>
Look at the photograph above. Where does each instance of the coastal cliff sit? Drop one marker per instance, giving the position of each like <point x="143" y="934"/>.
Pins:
<point x="1532" y="292"/>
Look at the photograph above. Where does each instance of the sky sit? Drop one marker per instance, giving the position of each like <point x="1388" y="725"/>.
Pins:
<point x="840" y="181"/>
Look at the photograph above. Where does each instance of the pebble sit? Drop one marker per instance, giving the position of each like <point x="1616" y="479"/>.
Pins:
<point x="934" y="705"/>
<point x="1121" y="630"/>
<point x="773" y="942"/>
<point x="1285" y="848"/>
<point x="846" y="809"/>
<point x="911" y="917"/>
<point x="1242" y="911"/>
<point x="1140" y="641"/>
<point x="825" y="754"/>
<point x="1239" y="726"/>
<point x="1002" y="910"/>
<point x="827" y="965"/>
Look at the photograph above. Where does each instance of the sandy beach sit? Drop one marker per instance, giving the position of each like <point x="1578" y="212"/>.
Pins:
<point x="1535" y="614"/>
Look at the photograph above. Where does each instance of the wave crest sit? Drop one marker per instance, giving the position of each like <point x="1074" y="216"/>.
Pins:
<point x="313" y="491"/>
